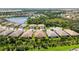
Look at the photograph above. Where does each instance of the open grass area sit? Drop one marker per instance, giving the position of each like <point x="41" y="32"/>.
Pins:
<point x="59" y="48"/>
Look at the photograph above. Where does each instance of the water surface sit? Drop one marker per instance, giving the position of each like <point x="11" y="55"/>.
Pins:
<point x="19" y="20"/>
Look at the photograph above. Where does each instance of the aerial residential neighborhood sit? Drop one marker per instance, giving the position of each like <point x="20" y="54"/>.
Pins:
<point x="40" y="29"/>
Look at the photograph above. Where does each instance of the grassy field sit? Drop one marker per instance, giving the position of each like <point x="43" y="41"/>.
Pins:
<point x="59" y="48"/>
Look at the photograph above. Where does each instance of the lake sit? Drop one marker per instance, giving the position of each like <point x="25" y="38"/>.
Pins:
<point x="19" y="20"/>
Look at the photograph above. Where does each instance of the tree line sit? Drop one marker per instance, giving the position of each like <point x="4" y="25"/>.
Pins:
<point x="57" y="22"/>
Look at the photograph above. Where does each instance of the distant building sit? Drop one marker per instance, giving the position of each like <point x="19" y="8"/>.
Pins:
<point x="32" y="26"/>
<point x="41" y="26"/>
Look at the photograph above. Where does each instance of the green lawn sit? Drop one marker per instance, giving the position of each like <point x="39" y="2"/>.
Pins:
<point x="59" y="48"/>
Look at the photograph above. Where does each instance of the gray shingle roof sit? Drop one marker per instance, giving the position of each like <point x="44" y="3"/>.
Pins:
<point x="16" y="33"/>
<point x="51" y="33"/>
<point x="71" y="32"/>
<point x="6" y="32"/>
<point x="61" y="33"/>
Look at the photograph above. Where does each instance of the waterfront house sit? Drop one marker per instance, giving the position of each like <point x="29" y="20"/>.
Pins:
<point x="23" y="25"/>
<point x="32" y="26"/>
<point x="41" y="26"/>
<point x="56" y="28"/>
<point x="16" y="25"/>
<point x="9" y="24"/>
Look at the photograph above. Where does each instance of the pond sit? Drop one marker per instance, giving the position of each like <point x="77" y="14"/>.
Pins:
<point x="19" y="20"/>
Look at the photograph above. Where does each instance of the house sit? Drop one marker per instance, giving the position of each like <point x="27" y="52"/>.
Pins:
<point x="56" y="28"/>
<point x="4" y="23"/>
<point x="27" y="34"/>
<point x="32" y="26"/>
<point x="61" y="33"/>
<point x="1" y="29"/>
<point x="11" y="28"/>
<point x="6" y="32"/>
<point x="71" y="32"/>
<point x="23" y="25"/>
<point x="39" y="34"/>
<point x="51" y="34"/>
<point x="16" y="25"/>
<point x="16" y="33"/>
<point x="2" y="20"/>
<point x="41" y="26"/>
<point x="9" y="24"/>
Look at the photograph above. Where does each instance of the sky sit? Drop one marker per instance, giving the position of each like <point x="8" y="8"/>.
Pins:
<point x="39" y="4"/>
